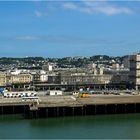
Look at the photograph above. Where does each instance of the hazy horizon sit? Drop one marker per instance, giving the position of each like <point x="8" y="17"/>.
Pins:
<point x="65" y="56"/>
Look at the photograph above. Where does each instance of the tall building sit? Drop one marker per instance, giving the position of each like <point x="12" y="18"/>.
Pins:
<point x="135" y="70"/>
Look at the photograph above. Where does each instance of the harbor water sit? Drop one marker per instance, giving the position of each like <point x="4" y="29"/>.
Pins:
<point x="124" y="126"/>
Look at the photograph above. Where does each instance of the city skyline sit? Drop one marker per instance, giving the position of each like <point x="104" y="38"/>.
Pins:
<point x="69" y="28"/>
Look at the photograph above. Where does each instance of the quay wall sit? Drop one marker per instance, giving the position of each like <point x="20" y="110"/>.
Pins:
<point x="46" y="112"/>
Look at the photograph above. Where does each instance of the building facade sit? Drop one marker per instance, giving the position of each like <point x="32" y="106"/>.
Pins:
<point x="135" y="70"/>
<point x="84" y="78"/>
<point x="20" y="78"/>
<point x="2" y="79"/>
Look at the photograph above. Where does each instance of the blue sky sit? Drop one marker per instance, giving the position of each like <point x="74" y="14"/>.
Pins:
<point x="69" y="28"/>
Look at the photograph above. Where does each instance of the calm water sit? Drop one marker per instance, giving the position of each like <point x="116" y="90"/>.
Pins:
<point x="105" y="126"/>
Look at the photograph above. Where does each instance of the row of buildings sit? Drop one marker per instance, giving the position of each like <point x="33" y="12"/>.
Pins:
<point x="64" y="77"/>
<point x="67" y="76"/>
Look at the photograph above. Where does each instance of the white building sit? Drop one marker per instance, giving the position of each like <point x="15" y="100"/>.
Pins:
<point x="42" y="72"/>
<point x="115" y="66"/>
<point x="17" y="71"/>
<point x="98" y="71"/>
<point x="43" y="77"/>
<point x="92" y="66"/>
<point x="54" y="92"/>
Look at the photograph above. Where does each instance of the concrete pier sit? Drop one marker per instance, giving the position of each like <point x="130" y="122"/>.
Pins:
<point x="55" y="106"/>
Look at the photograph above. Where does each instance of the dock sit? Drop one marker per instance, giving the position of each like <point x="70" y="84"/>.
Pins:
<point x="54" y="106"/>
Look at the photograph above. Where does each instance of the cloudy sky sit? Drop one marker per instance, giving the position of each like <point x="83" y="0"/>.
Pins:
<point x="69" y="28"/>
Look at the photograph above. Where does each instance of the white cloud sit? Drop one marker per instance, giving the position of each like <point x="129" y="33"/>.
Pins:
<point x="70" y="39"/>
<point x="28" y="38"/>
<point x="107" y="10"/>
<point x="87" y="6"/>
<point x="92" y="7"/>
<point x="40" y="14"/>
<point x="70" y="5"/>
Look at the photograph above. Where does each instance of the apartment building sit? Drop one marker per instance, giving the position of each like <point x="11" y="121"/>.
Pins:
<point x="2" y="79"/>
<point x="135" y="70"/>
<point x="84" y="78"/>
<point x="20" y="78"/>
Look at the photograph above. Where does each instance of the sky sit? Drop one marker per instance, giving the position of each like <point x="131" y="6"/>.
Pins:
<point x="69" y="28"/>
